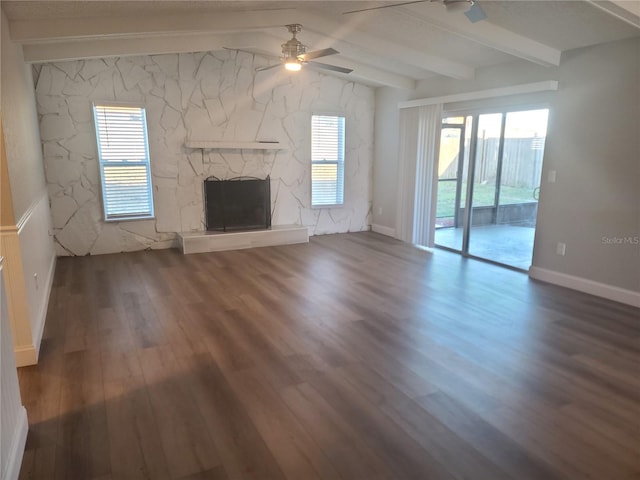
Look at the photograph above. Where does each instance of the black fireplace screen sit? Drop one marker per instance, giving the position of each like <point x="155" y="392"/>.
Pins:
<point x="238" y="203"/>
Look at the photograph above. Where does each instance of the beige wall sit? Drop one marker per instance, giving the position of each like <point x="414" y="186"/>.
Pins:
<point x="594" y="146"/>
<point x="385" y="164"/>
<point x="6" y="202"/>
<point x="22" y="144"/>
<point x="25" y="242"/>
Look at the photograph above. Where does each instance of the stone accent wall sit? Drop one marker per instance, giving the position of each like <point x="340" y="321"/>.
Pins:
<point x="197" y="96"/>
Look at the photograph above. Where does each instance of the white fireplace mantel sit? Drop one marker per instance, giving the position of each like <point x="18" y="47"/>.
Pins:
<point x="232" y="145"/>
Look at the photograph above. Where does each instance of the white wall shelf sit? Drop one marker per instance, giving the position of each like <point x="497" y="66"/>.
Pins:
<point x="212" y="145"/>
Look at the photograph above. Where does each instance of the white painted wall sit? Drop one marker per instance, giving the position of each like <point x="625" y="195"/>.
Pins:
<point x="38" y="260"/>
<point x="197" y="96"/>
<point x="13" y="416"/>
<point x="592" y="144"/>
<point x="29" y="191"/>
<point x="385" y="178"/>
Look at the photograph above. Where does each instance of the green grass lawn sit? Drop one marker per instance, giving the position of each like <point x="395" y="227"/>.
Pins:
<point x="483" y="195"/>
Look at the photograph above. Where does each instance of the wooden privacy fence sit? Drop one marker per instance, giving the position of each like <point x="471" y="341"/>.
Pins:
<point x="521" y="163"/>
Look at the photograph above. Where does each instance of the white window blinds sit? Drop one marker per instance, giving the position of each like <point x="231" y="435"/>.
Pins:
<point x="124" y="162"/>
<point x="327" y="160"/>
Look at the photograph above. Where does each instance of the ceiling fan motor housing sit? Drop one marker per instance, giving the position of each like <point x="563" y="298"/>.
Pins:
<point x="293" y="48"/>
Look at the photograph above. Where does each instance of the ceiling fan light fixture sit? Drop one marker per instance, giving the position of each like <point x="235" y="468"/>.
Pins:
<point x="293" y="65"/>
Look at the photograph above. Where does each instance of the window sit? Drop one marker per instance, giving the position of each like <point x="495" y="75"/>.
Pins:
<point x="124" y="162"/>
<point x="327" y="160"/>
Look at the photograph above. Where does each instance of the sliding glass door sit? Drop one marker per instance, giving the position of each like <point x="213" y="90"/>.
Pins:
<point x="451" y="182"/>
<point x="488" y="208"/>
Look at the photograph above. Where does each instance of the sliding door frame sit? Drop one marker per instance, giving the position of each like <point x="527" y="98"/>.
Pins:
<point x="475" y="113"/>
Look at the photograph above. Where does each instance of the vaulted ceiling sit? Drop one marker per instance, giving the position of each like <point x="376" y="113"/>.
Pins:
<point x="389" y="46"/>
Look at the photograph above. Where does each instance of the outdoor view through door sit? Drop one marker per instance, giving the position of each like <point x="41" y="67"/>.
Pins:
<point x="489" y="173"/>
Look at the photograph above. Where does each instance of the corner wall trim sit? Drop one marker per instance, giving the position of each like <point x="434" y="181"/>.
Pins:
<point x="16" y="449"/>
<point x="41" y="316"/>
<point x="8" y="229"/>
<point x="598" y="289"/>
<point x="381" y="229"/>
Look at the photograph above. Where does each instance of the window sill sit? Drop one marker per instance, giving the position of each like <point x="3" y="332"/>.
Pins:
<point x="335" y="205"/>
<point x="127" y="219"/>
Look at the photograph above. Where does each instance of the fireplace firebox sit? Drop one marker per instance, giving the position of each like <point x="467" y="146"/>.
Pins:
<point x="241" y="203"/>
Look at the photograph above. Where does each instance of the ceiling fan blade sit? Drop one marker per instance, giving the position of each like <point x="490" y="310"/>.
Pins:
<point x="317" y="54"/>
<point x="268" y="67"/>
<point x="385" y="6"/>
<point x="325" y="66"/>
<point x="475" y="12"/>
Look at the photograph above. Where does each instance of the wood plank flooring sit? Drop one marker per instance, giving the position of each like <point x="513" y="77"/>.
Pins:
<point x="352" y="357"/>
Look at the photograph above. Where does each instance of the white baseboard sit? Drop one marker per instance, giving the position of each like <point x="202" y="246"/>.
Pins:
<point x="381" y="229"/>
<point x="16" y="449"/>
<point x="41" y="316"/>
<point x="598" y="289"/>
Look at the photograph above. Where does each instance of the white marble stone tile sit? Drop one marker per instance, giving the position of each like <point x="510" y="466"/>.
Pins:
<point x="196" y="161"/>
<point x="244" y="126"/>
<point x="170" y="118"/>
<point x="62" y="171"/>
<point x="109" y="236"/>
<point x="83" y="144"/>
<point x="168" y="64"/>
<point x="104" y="88"/>
<point x="197" y="123"/>
<point x="80" y="109"/>
<point x="142" y="228"/>
<point x="132" y="73"/>
<point x="167" y="211"/>
<point x="82" y="230"/>
<point x="82" y="195"/>
<point x="45" y="79"/>
<point x="81" y="89"/>
<point x="192" y="218"/>
<point x="56" y="127"/>
<point x="51" y="104"/>
<point x="58" y="81"/>
<point x="89" y="69"/>
<point x="62" y="208"/>
<point x="54" y="150"/>
<point x="215" y="111"/>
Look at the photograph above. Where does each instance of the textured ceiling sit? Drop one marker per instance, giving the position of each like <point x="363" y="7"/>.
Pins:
<point x="562" y="25"/>
<point x="42" y="9"/>
<point x="418" y="39"/>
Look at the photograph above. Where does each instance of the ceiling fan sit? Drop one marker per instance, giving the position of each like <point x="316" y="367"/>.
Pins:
<point x="294" y="55"/>
<point x="474" y="14"/>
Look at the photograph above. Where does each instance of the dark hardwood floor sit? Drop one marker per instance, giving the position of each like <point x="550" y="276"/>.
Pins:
<point x="354" y="357"/>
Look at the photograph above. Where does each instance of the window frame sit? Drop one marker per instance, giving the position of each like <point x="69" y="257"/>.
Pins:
<point x="146" y="163"/>
<point x="338" y="163"/>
